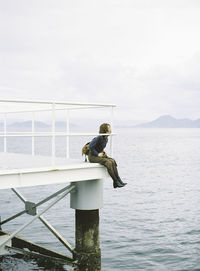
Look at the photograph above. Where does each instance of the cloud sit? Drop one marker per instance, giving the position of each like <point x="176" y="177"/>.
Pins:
<point x="141" y="55"/>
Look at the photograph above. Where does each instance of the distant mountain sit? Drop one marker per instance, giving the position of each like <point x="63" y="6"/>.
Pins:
<point x="28" y="124"/>
<point x="168" y="121"/>
<point x="165" y="121"/>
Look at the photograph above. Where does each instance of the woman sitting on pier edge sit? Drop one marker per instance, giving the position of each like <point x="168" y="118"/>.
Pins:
<point x="97" y="154"/>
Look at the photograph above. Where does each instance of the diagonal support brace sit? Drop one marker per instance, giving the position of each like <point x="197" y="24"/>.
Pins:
<point x="57" y="234"/>
<point x="38" y="215"/>
<point x="36" y="205"/>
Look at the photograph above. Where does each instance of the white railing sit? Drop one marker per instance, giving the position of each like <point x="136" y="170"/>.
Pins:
<point x="21" y="106"/>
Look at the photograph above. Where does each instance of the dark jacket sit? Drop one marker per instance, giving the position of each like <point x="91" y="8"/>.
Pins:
<point x="97" y="145"/>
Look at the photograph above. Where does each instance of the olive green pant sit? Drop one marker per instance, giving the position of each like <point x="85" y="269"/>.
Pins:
<point x="108" y="162"/>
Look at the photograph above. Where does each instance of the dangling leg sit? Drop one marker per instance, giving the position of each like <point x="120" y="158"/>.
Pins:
<point x="107" y="162"/>
<point x="114" y="167"/>
<point x="116" y="180"/>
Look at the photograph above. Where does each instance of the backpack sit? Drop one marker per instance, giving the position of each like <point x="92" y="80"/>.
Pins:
<point x="85" y="150"/>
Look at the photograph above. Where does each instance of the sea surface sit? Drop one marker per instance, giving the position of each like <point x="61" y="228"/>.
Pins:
<point x="152" y="224"/>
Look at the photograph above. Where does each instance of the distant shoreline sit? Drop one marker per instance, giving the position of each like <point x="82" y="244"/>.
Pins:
<point x="165" y="121"/>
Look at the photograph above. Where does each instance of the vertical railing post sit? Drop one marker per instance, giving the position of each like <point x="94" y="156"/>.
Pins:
<point x="111" y="138"/>
<point x="33" y="130"/>
<point x="53" y="135"/>
<point x="5" y="132"/>
<point x="67" y="130"/>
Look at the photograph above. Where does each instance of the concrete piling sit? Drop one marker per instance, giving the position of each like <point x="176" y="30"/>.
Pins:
<point x="87" y="251"/>
<point x="86" y="200"/>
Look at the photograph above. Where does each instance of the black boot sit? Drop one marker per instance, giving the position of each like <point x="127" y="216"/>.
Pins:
<point x="122" y="182"/>
<point x="116" y="181"/>
<point x="117" y="184"/>
<point x="114" y="167"/>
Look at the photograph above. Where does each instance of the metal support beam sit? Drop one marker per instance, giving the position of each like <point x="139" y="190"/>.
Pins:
<point x="36" y="205"/>
<point x="12" y="217"/>
<point x="18" y="242"/>
<point x="38" y="215"/>
<point x="35" y="255"/>
<point x="57" y="235"/>
<point x="15" y="190"/>
<point x="31" y="210"/>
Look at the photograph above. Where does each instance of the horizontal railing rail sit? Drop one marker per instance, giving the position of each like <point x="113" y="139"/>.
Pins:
<point x="50" y="134"/>
<point x="53" y="102"/>
<point x="17" y="106"/>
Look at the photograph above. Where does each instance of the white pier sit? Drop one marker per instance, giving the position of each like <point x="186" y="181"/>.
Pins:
<point x="21" y="170"/>
<point x="84" y="180"/>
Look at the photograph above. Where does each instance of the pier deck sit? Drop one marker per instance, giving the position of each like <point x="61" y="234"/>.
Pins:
<point x="21" y="170"/>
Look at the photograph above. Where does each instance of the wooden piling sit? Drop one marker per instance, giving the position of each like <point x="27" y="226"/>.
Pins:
<point x="87" y="251"/>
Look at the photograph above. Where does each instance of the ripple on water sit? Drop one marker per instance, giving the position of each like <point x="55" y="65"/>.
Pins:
<point x="153" y="224"/>
<point x="22" y="263"/>
<point x="193" y="232"/>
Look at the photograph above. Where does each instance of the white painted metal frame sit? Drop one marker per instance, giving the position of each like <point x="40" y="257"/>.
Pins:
<point x="63" y="193"/>
<point x="24" y="176"/>
<point x="66" y="107"/>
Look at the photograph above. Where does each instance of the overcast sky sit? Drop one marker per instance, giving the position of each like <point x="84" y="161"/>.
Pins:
<point x="143" y="56"/>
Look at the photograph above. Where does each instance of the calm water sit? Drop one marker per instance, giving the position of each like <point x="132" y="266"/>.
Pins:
<point x="151" y="224"/>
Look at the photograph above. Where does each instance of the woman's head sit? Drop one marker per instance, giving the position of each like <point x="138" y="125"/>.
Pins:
<point x="105" y="128"/>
